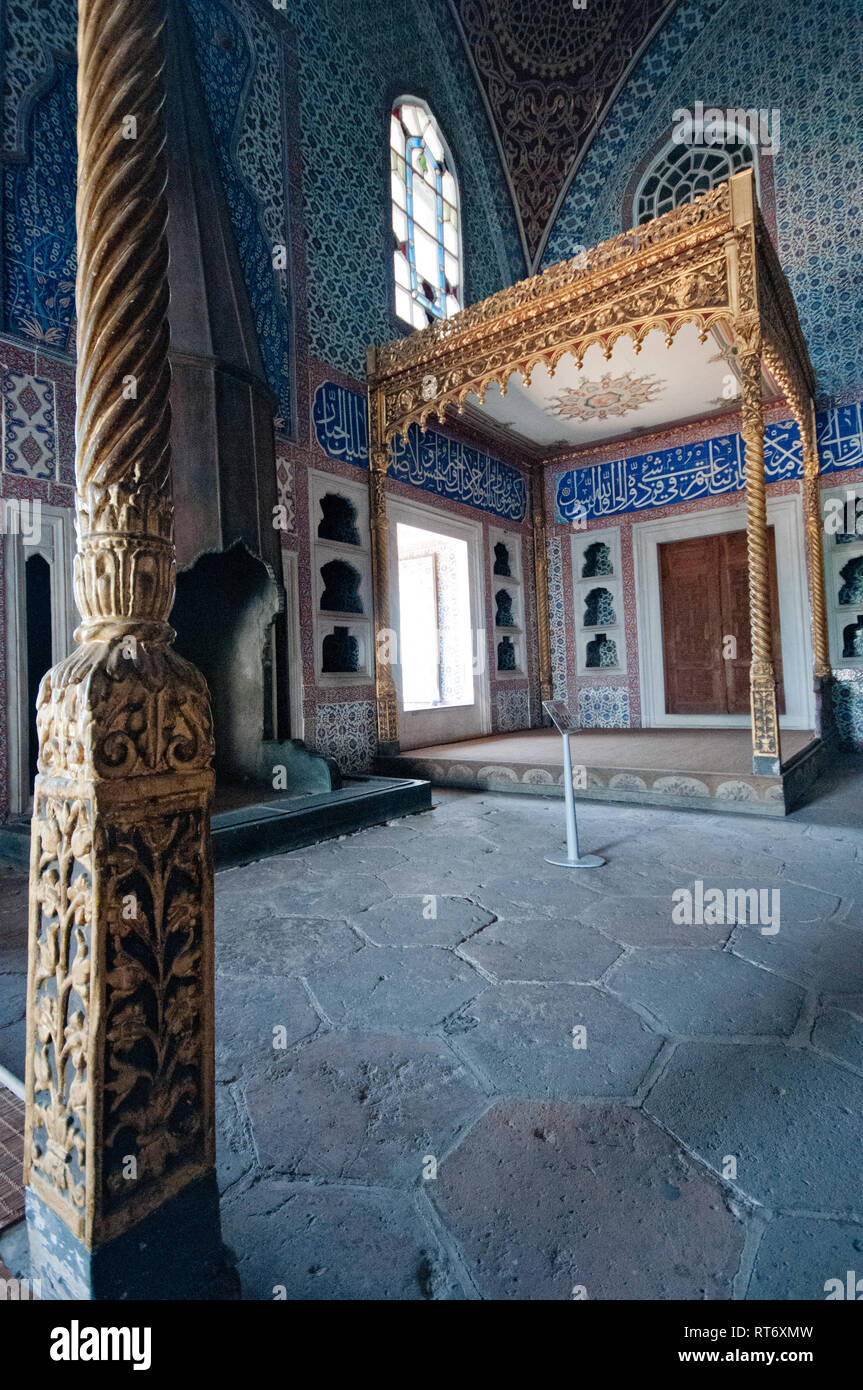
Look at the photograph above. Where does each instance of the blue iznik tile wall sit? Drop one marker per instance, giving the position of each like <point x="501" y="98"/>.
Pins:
<point x="354" y="58"/>
<point x="806" y="60"/>
<point x="239" y="59"/>
<point x="39" y="255"/>
<point x="32" y="36"/>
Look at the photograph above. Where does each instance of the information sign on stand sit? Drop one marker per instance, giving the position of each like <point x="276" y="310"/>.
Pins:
<point x="561" y="717"/>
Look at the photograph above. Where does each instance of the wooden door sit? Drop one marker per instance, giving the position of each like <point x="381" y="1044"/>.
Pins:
<point x="705" y="624"/>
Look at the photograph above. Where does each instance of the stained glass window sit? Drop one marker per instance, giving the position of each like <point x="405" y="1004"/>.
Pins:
<point x="427" y="260"/>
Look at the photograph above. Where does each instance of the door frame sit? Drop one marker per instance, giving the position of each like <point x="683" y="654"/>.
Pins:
<point x="785" y="515"/>
<point x="430" y="519"/>
<point x="56" y="545"/>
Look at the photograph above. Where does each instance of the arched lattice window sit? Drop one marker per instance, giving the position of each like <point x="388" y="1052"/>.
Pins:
<point x="681" y="172"/>
<point x="425" y="217"/>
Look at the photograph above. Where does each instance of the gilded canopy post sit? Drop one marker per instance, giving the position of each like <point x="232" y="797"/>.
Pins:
<point x="385" y="638"/>
<point x="762" y="678"/>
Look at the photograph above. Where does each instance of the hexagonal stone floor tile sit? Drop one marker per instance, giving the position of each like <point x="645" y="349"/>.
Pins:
<point x="250" y="882"/>
<point x="267" y="946"/>
<point x="566" y="897"/>
<point x="544" y="1198"/>
<point x="840" y="1033"/>
<point x="700" y="992"/>
<point x="521" y="1037"/>
<point x="790" y="1118"/>
<point x="541" y="949"/>
<point x="798" y="1256"/>
<point x="385" y="988"/>
<point x="432" y="919"/>
<point x="307" y="1243"/>
<point x="361" y="1105"/>
<point x="827" y="957"/>
<point x="234" y="1155"/>
<point x="315" y="891"/>
<point x="692" y="855"/>
<point x="795" y="902"/>
<point x="247" y="1012"/>
<point x="13" y="999"/>
<point x="646" y="920"/>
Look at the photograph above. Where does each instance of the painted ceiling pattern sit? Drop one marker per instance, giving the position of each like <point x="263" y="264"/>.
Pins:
<point x="610" y="396"/>
<point x="548" y="71"/>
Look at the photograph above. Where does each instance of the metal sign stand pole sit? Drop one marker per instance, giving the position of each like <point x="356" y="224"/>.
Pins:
<point x="572" y="860"/>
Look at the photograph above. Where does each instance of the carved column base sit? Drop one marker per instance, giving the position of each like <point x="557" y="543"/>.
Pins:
<point x="174" y="1253"/>
<point x="765" y="727"/>
<point x="388" y="722"/>
<point x="120" y="1068"/>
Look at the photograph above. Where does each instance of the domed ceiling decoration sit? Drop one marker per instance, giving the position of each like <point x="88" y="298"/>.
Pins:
<point x="548" y="71"/>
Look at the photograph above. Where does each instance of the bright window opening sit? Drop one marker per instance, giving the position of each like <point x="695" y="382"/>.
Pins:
<point x="434" y="604"/>
<point x="425" y="218"/>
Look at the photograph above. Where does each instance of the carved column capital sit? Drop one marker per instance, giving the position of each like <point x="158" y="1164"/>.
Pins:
<point x="747" y="335"/>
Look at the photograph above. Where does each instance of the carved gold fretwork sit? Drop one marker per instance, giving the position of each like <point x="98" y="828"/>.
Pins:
<point x="672" y="271"/>
<point x="120" y="1009"/>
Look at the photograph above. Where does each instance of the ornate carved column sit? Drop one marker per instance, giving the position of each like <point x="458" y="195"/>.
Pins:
<point x="540" y="569"/>
<point x="120" y="1145"/>
<point x="385" y="639"/>
<point x="814" y="524"/>
<point x="762" y="678"/>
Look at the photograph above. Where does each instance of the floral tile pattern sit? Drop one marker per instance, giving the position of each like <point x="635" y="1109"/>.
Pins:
<point x="513" y="710"/>
<point x="238" y="53"/>
<point x="848" y="707"/>
<point x="29" y="435"/>
<point x="347" y="69"/>
<point x="285" y="491"/>
<point x="603" y="707"/>
<point x="39" y="245"/>
<point x="347" y="732"/>
<point x="557" y="617"/>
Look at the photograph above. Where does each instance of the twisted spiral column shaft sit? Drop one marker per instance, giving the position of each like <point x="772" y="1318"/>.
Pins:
<point x="756" y="513"/>
<point x="125" y="566"/>
<point x="385" y="689"/>
<point x="765" y="723"/>
<point x="814" y="539"/>
<point x="540" y="564"/>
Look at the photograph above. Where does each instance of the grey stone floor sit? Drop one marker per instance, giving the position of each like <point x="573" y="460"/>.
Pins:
<point x="403" y="1113"/>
